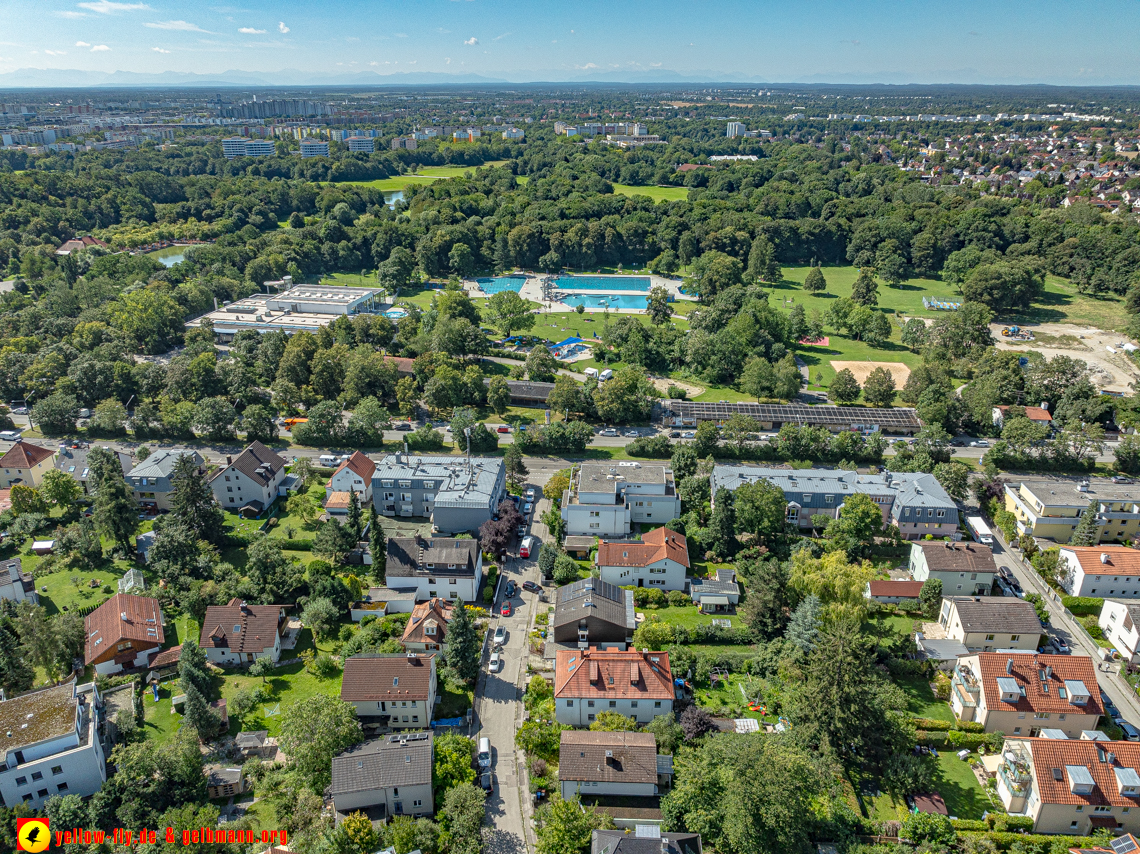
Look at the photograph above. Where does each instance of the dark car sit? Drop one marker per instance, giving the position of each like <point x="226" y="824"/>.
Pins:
<point x="532" y="586"/>
<point x="402" y="425"/>
<point x="487" y="780"/>
<point x="1130" y="732"/>
<point x="674" y="434"/>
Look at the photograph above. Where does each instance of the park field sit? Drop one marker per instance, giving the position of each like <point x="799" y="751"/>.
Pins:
<point x="658" y="194"/>
<point x="425" y="175"/>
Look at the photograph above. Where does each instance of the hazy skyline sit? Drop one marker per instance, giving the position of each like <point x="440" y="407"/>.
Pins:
<point x="892" y="41"/>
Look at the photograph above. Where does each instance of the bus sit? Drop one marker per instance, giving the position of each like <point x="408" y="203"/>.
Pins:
<point x="980" y="530"/>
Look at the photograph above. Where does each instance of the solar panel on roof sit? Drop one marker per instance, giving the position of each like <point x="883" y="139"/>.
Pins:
<point x="1124" y="844"/>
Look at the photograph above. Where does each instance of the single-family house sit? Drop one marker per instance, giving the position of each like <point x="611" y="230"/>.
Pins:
<point x="15" y="584"/>
<point x="593" y="613"/>
<point x="353" y="475"/>
<point x="660" y="559"/>
<point x="73" y="462"/>
<point x="636" y="684"/>
<point x="989" y="623"/>
<point x="55" y="746"/>
<point x="890" y="592"/>
<point x="251" y="481"/>
<point x="1036" y="414"/>
<point x="622" y="764"/>
<point x="25" y="464"/>
<point x="151" y="478"/>
<point x="237" y="633"/>
<point x="224" y="782"/>
<point x="436" y="567"/>
<point x="1074" y="787"/>
<point x="1100" y="571"/>
<point x="385" y="777"/>
<point x="719" y="595"/>
<point x="427" y="628"/>
<point x="965" y="568"/>
<point x="123" y="633"/>
<point x="1119" y="621"/>
<point x="1021" y="693"/>
<point x="397" y="689"/>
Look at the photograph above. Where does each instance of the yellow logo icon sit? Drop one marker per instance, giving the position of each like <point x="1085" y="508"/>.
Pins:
<point x="32" y="835"/>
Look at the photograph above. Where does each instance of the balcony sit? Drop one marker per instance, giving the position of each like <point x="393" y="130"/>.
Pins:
<point x="1014" y="773"/>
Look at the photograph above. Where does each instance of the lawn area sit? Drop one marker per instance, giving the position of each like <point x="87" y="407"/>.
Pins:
<point x="727" y="701"/>
<point x="455" y="699"/>
<point x="953" y="779"/>
<point x="426" y="175"/>
<point x="921" y="701"/>
<point x="658" y="194"/>
<point x="687" y="616"/>
<point x="288" y="521"/>
<point x="63" y="593"/>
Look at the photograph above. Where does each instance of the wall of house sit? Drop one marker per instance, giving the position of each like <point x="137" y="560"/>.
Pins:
<point x="83" y="770"/>
<point x="953" y="583"/>
<point x="234" y="489"/>
<point x="106" y="668"/>
<point x="657" y="509"/>
<point x="346" y="479"/>
<point x="229" y="656"/>
<point x="1112" y="620"/>
<point x="1059" y="818"/>
<point x="465" y="587"/>
<point x="589" y="788"/>
<point x="405" y="796"/>
<point x="417" y="712"/>
<point x="597" y="520"/>
<point x="979" y="642"/>
<point x="1108" y="582"/>
<point x="581" y="711"/>
<point x="1020" y="723"/>
<point x="454" y="520"/>
<point x="664" y="574"/>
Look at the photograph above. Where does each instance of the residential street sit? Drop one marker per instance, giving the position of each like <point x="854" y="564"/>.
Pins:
<point x="1062" y="625"/>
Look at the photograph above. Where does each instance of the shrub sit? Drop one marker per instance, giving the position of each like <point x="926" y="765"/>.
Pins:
<point x="934" y="739"/>
<point x="641" y="596"/>
<point x="961" y="824"/>
<point x="678" y="599"/>
<point x="930" y="724"/>
<point x="1083" y="606"/>
<point x="969" y="726"/>
<point x="489" y="594"/>
<point x="657" y="598"/>
<point x="565" y="569"/>
<point x="323" y="666"/>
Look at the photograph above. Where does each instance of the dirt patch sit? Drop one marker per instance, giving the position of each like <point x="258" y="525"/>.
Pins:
<point x="1109" y="370"/>
<point x="899" y="372"/>
<point x="662" y="385"/>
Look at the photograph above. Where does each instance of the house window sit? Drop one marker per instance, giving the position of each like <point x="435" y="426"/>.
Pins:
<point x="417" y="804"/>
<point x="657" y="704"/>
<point x="1017" y="730"/>
<point x="1013" y="638"/>
<point x="431" y="594"/>
<point x="62" y="787"/>
<point x="42" y="793"/>
<point x="589" y="717"/>
<point x="989" y="637"/>
<point x="613" y="704"/>
<point x="599" y="524"/>
<point x="229" y="488"/>
<point x="227" y="478"/>
<point x="415" y="719"/>
<point x="56" y="769"/>
<point x="569" y="704"/>
<point x="590" y="704"/>
<point x="633" y="704"/>
<point x="407" y="484"/>
<point x="37" y="775"/>
<point x="21" y="781"/>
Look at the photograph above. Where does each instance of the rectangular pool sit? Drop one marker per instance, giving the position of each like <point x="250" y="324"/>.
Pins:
<point x="614" y="301"/>
<point x="501" y="283"/>
<point x="602" y="283"/>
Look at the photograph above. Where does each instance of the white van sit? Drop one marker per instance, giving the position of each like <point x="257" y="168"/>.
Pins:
<point x="527" y="547"/>
<point x="592" y="372"/>
<point x="484" y="752"/>
<point x="605" y="375"/>
<point x="329" y="460"/>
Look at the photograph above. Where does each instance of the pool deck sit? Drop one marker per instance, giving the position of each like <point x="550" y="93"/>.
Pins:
<point x="532" y="290"/>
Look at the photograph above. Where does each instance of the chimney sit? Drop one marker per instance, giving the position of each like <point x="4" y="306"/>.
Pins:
<point x="1009" y="665"/>
<point x="1104" y="557"/>
<point x="229" y="460"/>
<point x="1045" y="405"/>
<point x="1048" y="671"/>
<point x="1111" y="758"/>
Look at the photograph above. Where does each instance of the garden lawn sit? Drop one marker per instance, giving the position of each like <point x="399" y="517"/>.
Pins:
<point x="686" y="615"/>
<point x="658" y="194"/>
<point x="955" y="781"/>
<point x="63" y="595"/>
<point x="725" y="700"/>
<point x="921" y="701"/>
<point x="455" y="699"/>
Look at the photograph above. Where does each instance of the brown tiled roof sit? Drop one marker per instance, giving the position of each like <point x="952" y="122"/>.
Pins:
<point x="256" y="627"/>
<point x="1121" y="559"/>
<point x="359" y="464"/>
<point x="166" y="657"/>
<point x="1050" y="753"/>
<point x="24" y="455"/>
<point x="613" y="674"/>
<point x="902" y="589"/>
<point x="958" y="557"/>
<point x="658" y="544"/>
<point x="403" y="366"/>
<point x="252" y="458"/>
<point x="1027" y="669"/>
<point x="582" y="757"/>
<point x="120" y="619"/>
<point x="1033" y="413"/>
<point x="435" y="611"/>
<point x="386" y="677"/>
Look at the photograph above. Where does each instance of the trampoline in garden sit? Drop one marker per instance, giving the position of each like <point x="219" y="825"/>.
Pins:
<point x="501" y="283"/>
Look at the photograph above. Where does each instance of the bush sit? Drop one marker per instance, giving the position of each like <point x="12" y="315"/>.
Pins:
<point x="640" y="596"/>
<point x="933" y="739"/>
<point x="565" y="569"/>
<point x="930" y="725"/>
<point x="678" y="599"/>
<point x="961" y="824"/>
<point x="1001" y="823"/>
<point x="654" y="447"/>
<point x="969" y="726"/>
<point x="657" y="598"/>
<point x="1024" y="841"/>
<point x="489" y="594"/>
<point x="1083" y="606"/>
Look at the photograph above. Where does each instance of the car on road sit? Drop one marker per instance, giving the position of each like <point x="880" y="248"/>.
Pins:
<point x="506" y="609"/>
<point x="1130" y="732"/>
<point x="957" y="443"/>
<point x="689" y="434"/>
<point x="521" y="531"/>
<point x="403" y="426"/>
<point x="496" y="662"/>
<point x="20" y="410"/>
<point x="500" y="635"/>
<point x="511" y="589"/>
<point x="609" y="431"/>
<point x="674" y="434"/>
<point x="1120" y="479"/>
<point x="631" y="434"/>
<point x="981" y="443"/>
<point x="527" y="508"/>
<point x="503" y="428"/>
<point x="529" y="495"/>
<point x="1062" y="646"/>
<point x="487" y="781"/>
<point x="532" y="586"/>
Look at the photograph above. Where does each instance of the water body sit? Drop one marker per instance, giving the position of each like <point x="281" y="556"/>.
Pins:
<point x="390" y="199"/>
<point x="614" y="301"/>
<point x="169" y="256"/>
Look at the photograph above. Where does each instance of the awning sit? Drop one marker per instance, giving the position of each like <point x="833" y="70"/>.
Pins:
<point x="714" y="600"/>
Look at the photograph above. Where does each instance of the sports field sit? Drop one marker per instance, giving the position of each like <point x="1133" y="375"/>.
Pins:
<point x="899" y="372"/>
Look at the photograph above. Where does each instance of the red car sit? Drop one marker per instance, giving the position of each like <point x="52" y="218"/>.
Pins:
<point x="506" y="609"/>
<point x="503" y="428"/>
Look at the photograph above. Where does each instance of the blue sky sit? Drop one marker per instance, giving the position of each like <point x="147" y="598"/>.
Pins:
<point x="841" y="40"/>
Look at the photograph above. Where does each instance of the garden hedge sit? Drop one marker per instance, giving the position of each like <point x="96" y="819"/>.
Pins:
<point x="1083" y="606"/>
<point x="1026" y="841"/>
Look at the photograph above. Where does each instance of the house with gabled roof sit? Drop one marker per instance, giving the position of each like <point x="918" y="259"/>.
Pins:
<point x="591" y="612"/>
<point x="398" y="690"/>
<point x="237" y="633"/>
<point x="385" y="777"/>
<point x="622" y="764"/>
<point x="151" y="478"/>
<point x="636" y="684"/>
<point x="353" y="475"/>
<point x="251" y="481"/>
<point x="1021" y="694"/>
<point x="989" y="623"/>
<point x="124" y="632"/>
<point x="25" y="464"/>
<point x="427" y="627"/>
<point x="660" y="559"/>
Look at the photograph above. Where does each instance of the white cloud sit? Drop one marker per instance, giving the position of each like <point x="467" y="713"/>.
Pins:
<point x="108" y="7"/>
<point x="499" y="38"/>
<point x="374" y="62"/>
<point x="281" y="27"/>
<point x="251" y="31"/>
<point x="159" y="50"/>
<point x="401" y="35"/>
<point x="55" y="52"/>
<point x="447" y="61"/>
<point x="99" y="48"/>
<point x="82" y="44"/>
<point x="412" y="61"/>
<point x="184" y="26"/>
<point x="586" y="66"/>
<point x="472" y="40"/>
<point x="71" y="16"/>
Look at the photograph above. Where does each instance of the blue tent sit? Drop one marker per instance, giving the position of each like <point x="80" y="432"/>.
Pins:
<point x="570" y="341"/>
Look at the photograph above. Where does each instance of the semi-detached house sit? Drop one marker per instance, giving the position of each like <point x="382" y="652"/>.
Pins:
<point x="1120" y="622"/>
<point x="25" y="464"/>
<point x="238" y="633"/>
<point x="399" y="690"/>
<point x="1021" y="694"/>
<point x="965" y="568"/>
<point x="123" y="632"/>
<point x="385" y="777"/>
<point x="1100" y="571"/>
<point x="150" y="479"/>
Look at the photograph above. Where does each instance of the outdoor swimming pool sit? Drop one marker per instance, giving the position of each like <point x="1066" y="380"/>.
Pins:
<point x="501" y="283"/>
<point x="602" y="283"/>
<point x="614" y="301"/>
<point x="396" y="313"/>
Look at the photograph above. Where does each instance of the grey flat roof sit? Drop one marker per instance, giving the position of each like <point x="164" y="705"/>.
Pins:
<point x="908" y="488"/>
<point x="594" y="477"/>
<point x="942" y="649"/>
<point x="463" y="482"/>
<point x="1063" y="490"/>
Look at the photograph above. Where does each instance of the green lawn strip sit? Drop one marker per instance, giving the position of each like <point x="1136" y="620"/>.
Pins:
<point x="725" y="700"/>
<point x="658" y="194"/>
<point x="921" y="701"/>
<point x="954" y="779"/>
<point x="686" y="615"/>
<point x="455" y="700"/>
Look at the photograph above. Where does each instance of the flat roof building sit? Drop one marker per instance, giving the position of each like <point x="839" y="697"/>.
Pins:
<point x="1051" y="507"/>
<point x="314" y="148"/>
<point x="773" y="416"/>
<point x="302" y="308"/>
<point x="456" y="493"/>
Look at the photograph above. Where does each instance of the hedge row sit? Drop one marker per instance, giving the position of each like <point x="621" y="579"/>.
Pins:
<point x="1004" y="841"/>
<point x="931" y="725"/>
<point x="1083" y="606"/>
<point x="954" y="738"/>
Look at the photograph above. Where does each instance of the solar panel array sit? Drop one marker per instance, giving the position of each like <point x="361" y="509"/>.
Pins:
<point x="796" y="413"/>
<point x="1124" y="844"/>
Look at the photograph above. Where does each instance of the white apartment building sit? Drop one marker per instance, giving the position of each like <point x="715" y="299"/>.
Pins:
<point x="1100" y="571"/>
<point x="53" y="745"/>
<point x="314" y="148"/>
<point x="604" y="500"/>
<point x="1119" y="621"/>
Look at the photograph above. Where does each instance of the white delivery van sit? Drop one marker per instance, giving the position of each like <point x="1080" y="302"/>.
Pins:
<point x="605" y="375"/>
<point x="527" y="547"/>
<point x="484" y="752"/>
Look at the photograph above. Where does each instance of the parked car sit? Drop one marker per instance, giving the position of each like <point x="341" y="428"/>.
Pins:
<point x="689" y="434"/>
<point x="402" y="425"/>
<point x="530" y="495"/>
<point x="1130" y="732"/>
<point x="487" y="781"/>
<point x="527" y="508"/>
<point x="500" y="634"/>
<point x="631" y="434"/>
<point x="609" y="431"/>
<point x="1062" y="646"/>
<point x="532" y="586"/>
<point x="674" y="434"/>
<point x="506" y="609"/>
<point x="496" y="662"/>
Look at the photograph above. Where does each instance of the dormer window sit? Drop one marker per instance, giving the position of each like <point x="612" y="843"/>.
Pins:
<point x="1010" y="690"/>
<point x="1078" y="693"/>
<point x="1127" y="781"/>
<point x="1080" y="779"/>
<point x="429" y="629"/>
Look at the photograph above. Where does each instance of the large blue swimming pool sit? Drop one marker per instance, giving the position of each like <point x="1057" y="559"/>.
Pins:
<point x="501" y="283"/>
<point x="602" y="283"/>
<point x="614" y="301"/>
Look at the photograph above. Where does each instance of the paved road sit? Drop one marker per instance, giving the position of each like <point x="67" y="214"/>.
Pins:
<point x="1062" y="625"/>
